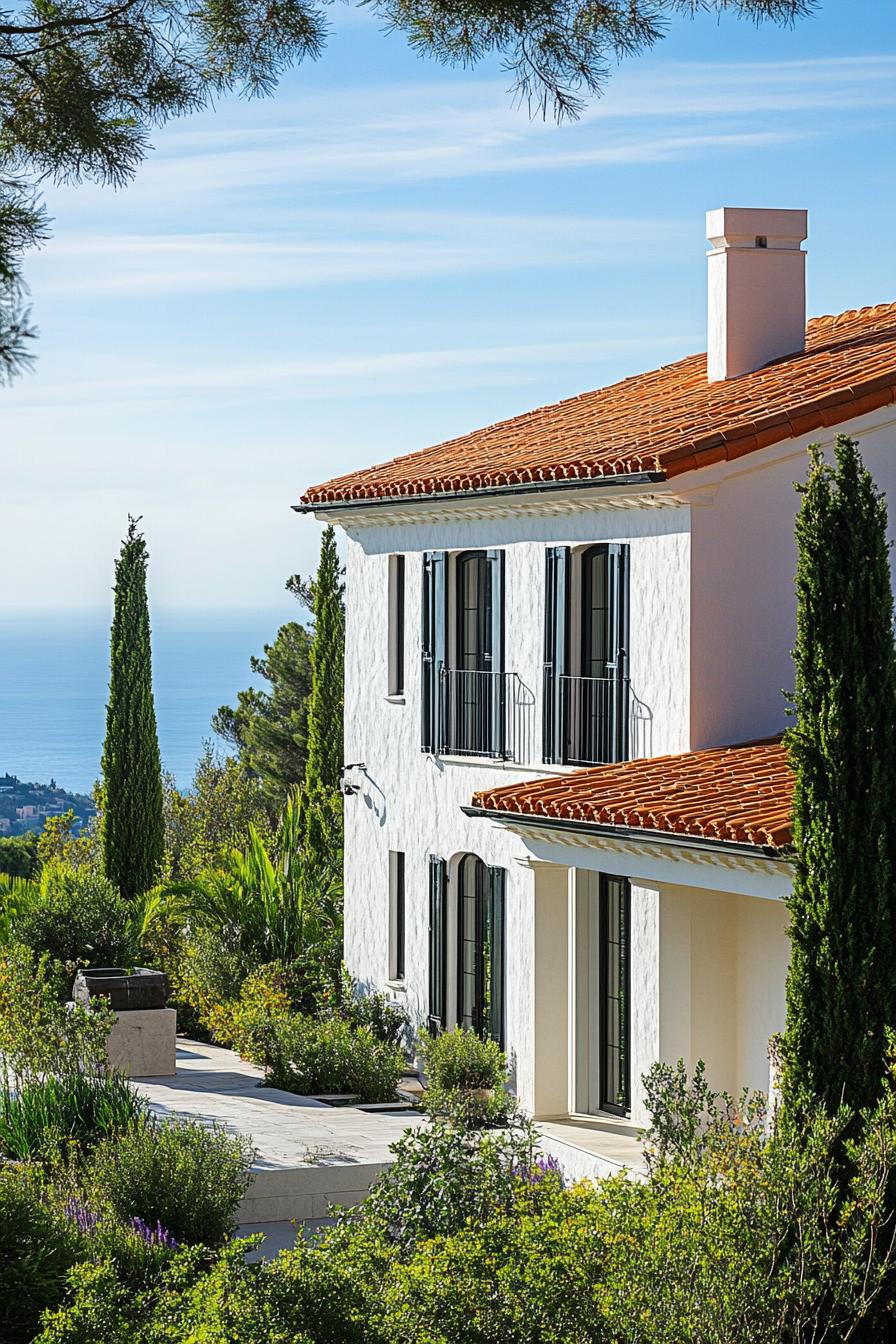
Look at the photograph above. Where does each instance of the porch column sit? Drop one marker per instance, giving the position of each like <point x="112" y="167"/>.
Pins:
<point x="551" y="990"/>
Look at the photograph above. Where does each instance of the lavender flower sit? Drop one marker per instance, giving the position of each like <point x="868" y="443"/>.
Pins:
<point x="87" y="1222"/>
<point x="85" y="1219"/>
<point x="153" y="1236"/>
<point x="535" y="1172"/>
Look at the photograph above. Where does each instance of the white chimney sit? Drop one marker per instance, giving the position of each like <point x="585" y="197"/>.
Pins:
<point x="757" y="289"/>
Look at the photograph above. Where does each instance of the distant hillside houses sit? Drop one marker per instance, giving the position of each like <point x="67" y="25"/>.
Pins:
<point x="26" y="806"/>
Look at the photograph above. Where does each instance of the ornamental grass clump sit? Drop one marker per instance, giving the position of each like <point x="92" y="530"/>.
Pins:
<point x="48" y="1114"/>
<point x="56" y="1087"/>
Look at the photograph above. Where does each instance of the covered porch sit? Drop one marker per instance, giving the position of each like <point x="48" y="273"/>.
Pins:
<point x="628" y="969"/>
<point x="652" y="939"/>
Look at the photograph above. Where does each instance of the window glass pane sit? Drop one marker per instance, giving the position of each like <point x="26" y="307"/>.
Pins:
<point x="396" y="625"/>
<point x="615" y="975"/>
<point x="396" y="915"/>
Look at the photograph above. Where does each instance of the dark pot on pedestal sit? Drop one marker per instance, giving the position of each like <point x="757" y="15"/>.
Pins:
<point x="125" y="990"/>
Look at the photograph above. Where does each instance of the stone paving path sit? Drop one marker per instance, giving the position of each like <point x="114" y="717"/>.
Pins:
<point x="308" y="1154"/>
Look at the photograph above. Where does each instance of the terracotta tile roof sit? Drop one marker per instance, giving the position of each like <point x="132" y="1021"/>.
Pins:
<point x="669" y="420"/>
<point x="740" y="794"/>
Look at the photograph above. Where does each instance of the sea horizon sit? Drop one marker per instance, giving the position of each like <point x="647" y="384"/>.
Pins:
<point x="54" y="676"/>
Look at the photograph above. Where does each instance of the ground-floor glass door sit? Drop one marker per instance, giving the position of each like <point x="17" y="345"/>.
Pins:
<point x="603" y="994"/>
<point x="615" y="1006"/>
<point x="480" y="948"/>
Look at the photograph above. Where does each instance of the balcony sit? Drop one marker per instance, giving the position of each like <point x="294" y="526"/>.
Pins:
<point x="487" y="714"/>
<point x="601" y="720"/>
<point x="595" y="712"/>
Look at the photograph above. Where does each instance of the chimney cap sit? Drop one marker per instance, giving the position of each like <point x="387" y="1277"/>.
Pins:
<point x="743" y="227"/>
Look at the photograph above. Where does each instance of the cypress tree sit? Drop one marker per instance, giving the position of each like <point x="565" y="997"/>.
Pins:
<point x="841" y="986"/>
<point x="327" y="670"/>
<point x="320" y="801"/>
<point x="133" y="826"/>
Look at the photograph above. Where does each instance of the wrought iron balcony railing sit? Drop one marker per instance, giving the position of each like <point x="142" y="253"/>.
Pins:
<point x="488" y="714"/>
<point x="597" y="718"/>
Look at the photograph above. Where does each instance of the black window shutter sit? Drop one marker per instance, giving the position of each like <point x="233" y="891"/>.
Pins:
<point x="556" y="609"/>
<point x="438" y="914"/>
<point x="432" y="645"/>
<point x="618" y="668"/>
<point x="495" y="918"/>
<point x="497" y="696"/>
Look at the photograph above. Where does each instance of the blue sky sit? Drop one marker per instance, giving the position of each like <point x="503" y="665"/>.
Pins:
<point x="388" y="253"/>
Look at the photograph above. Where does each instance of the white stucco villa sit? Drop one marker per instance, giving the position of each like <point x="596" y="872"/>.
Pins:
<point x="557" y="627"/>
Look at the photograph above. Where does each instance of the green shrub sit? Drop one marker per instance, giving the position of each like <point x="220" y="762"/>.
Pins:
<point x="470" y="1238"/>
<point x="466" y="1078"/>
<point x="301" y="1297"/>
<point x="44" y="1116"/>
<point x="311" y="1057"/>
<point x="362" y="1007"/>
<point x="246" y="1023"/>
<point x="530" y="1274"/>
<point x="446" y="1178"/>
<point x="206" y="972"/>
<point x="181" y="1174"/>
<point x="55" y="1084"/>
<point x="79" y="918"/>
<point x="37" y="1250"/>
<point x="18" y="855"/>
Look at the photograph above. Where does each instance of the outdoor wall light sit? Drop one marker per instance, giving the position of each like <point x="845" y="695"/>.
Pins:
<point x="350" y="777"/>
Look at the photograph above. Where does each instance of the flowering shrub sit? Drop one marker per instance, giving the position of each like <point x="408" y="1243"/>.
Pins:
<point x="178" y="1175"/>
<point x="89" y="1222"/>
<point x="245" y="1023"/>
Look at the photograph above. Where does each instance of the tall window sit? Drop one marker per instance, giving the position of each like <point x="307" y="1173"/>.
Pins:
<point x="473" y="691"/>
<point x="396" y="915"/>
<point x="438" y="920"/>
<point x="615" y="1005"/>
<point x="396" y="625"/>
<point x="463" y="699"/>
<point x="586" y="678"/>
<point x="480" y="948"/>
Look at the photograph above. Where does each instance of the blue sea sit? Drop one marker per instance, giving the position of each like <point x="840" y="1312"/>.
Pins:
<point x="54" y="675"/>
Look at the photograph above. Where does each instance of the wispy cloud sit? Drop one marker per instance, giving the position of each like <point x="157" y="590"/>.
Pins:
<point x="362" y="374"/>
<point x="412" y="133"/>
<point x="379" y="246"/>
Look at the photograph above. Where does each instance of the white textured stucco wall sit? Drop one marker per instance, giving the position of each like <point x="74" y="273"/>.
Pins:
<point x="743" y="562"/>
<point x="412" y="802"/>
<point x="722" y="967"/>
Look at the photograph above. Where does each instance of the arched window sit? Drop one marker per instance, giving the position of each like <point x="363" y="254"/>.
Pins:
<point x="480" y="948"/>
<point x="474" y="612"/>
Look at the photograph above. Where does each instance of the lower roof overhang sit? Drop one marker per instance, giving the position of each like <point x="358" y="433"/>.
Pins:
<point x="650" y="858"/>
<point x="635" y="834"/>
<point x="630" y="480"/>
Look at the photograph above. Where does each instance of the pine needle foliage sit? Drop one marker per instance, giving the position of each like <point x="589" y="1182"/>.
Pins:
<point x="133" y="823"/>
<point x="83" y="83"/>
<point x="841" y="986"/>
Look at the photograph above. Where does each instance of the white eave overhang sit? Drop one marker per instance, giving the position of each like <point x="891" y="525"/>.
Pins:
<point x="642" y="490"/>
<point x="652" y="856"/>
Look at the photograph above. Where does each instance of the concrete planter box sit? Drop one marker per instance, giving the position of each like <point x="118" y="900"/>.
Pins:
<point x="143" y="1039"/>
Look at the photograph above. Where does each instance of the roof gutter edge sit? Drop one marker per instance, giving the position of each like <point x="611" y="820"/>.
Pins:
<point x="490" y="492"/>
<point x="673" y="839"/>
